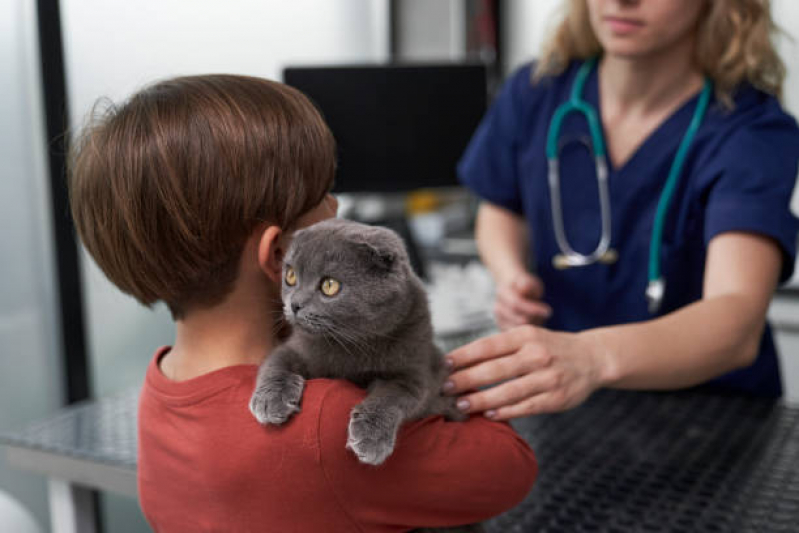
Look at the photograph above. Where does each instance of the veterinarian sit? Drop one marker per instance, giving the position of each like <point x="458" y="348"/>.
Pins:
<point x="655" y="272"/>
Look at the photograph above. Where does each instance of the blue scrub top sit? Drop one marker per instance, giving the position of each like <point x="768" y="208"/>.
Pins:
<point x="739" y="175"/>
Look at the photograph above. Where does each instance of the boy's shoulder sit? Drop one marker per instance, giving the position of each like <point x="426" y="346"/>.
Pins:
<point x="333" y="395"/>
<point x="221" y="398"/>
<point x="447" y="465"/>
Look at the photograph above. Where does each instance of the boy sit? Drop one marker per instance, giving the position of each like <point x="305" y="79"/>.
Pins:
<point x="188" y="193"/>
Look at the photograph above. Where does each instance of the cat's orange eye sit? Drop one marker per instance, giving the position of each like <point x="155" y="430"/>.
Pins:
<point x="291" y="277"/>
<point x="330" y="286"/>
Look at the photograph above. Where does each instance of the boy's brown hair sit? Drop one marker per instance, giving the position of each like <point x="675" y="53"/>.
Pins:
<point x="166" y="189"/>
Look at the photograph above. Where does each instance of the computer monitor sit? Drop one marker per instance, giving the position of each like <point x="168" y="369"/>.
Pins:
<point x="397" y="127"/>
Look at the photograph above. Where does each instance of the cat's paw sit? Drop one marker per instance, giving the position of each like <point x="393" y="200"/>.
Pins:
<point x="371" y="435"/>
<point x="276" y="400"/>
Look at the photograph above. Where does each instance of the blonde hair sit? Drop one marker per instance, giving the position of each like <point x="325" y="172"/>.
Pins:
<point x="733" y="45"/>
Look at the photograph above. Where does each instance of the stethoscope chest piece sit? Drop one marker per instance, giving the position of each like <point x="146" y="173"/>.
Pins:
<point x="564" y="261"/>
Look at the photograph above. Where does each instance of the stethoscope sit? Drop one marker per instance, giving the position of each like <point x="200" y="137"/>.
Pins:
<point x="604" y="253"/>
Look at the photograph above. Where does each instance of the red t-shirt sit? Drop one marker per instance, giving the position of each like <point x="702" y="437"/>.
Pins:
<point x="206" y="464"/>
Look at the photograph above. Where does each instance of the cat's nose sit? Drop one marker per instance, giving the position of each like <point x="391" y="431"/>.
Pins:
<point x="295" y="307"/>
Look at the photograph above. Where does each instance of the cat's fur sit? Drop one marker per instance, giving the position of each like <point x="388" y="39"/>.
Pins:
<point x="376" y="332"/>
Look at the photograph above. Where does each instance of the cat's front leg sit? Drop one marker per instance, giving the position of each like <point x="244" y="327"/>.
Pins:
<point x="374" y="423"/>
<point x="278" y="389"/>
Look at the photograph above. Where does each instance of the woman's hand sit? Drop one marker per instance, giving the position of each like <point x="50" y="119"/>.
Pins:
<point x="519" y="302"/>
<point x="535" y="371"/>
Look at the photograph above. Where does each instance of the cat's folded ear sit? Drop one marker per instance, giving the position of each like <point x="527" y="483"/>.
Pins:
<point x="381" y="258"/>
<point x="381" y="248"/>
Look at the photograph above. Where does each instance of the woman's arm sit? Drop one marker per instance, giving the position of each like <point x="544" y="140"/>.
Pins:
<point x="502" y="240"/>
<point x="718" y="334"/>
<point x="545" y="371"/>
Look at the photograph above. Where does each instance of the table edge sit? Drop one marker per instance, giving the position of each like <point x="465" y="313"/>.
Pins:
<point x="75" y="470"/>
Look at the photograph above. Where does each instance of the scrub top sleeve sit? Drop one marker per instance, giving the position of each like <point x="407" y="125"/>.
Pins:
<point x="488" y="166"/>
<point x="755" y="184"/>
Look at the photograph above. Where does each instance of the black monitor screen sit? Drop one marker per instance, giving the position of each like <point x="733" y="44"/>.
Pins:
<point x="397" y="128"/>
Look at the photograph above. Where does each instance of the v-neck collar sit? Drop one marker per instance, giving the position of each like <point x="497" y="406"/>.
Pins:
<point x="669" y="132"/>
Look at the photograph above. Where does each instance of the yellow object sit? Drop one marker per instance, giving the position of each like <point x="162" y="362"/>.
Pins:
<point x="291" y="277"/>
<point x="422" y="201"/>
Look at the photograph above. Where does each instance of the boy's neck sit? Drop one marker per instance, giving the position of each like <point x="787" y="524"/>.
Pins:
<point x="240" y="331"/>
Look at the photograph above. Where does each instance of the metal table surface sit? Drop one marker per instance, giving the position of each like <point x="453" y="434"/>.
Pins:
<point x="90" y="445"/>
<point x="662" y="462"/>
<point x="622" y="462"/>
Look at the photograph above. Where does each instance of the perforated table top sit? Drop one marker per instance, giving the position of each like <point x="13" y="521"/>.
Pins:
<point x="103" y="431"/>
<point x="623" y="462"/>
<point x="662" y="462"/>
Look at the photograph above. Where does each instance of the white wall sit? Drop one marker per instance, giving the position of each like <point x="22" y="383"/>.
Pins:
<point x="786" y="14"/>
<point x="114" y="47"/>
<point x="526" y="25"/>
<point x="30" y="376"/>
<point x="431" y="31"/>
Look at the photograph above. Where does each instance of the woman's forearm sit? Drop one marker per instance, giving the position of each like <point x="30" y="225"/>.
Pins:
<point x="685" y="348"/>
<point x="536" y="370"/>
<point x="703" y="340"/>
<point x="502" y="241"/>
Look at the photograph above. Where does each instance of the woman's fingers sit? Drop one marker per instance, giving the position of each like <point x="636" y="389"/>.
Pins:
<point x="530" y="286"/>
<point x="546" y="402"/>
<point x="515" y="303"/>
<point x="507" y="319"/>
<point x="490" y="347"/>
<point x="529" y="358"/>
<point x="509" y="393"/>
<point x="532" y="370"/>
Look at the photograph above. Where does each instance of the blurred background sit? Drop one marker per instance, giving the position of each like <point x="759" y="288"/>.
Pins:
<point x="66" y="334"/>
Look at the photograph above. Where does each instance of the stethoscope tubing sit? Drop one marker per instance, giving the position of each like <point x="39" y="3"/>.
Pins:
<point x="568" y="256"/>
<point x="673" y="178"/>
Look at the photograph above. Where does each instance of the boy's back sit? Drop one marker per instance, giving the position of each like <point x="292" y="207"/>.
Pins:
<point x="188" y="193"/>
<point x="200" y="445"/>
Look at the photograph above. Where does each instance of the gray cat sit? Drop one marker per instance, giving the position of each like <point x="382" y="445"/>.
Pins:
<point x="358" y="312"/>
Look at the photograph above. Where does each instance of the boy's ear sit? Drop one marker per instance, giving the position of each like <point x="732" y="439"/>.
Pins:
<point x="271" y="252"/>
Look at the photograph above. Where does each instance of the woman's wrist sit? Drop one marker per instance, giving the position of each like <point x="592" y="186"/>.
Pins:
<point x="507" y="272"/>
<point x="603" y="356"/>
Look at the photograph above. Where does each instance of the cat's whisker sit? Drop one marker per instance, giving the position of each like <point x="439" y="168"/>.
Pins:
<point x="346" y="341"/>
<point x="363" y="333"/>
<point x="339" y="342"/>
<point x="344" y="338"/>
<point x="330" y="334"/>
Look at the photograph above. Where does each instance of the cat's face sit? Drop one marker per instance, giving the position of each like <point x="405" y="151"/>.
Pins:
<point x="345" y="280"/>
